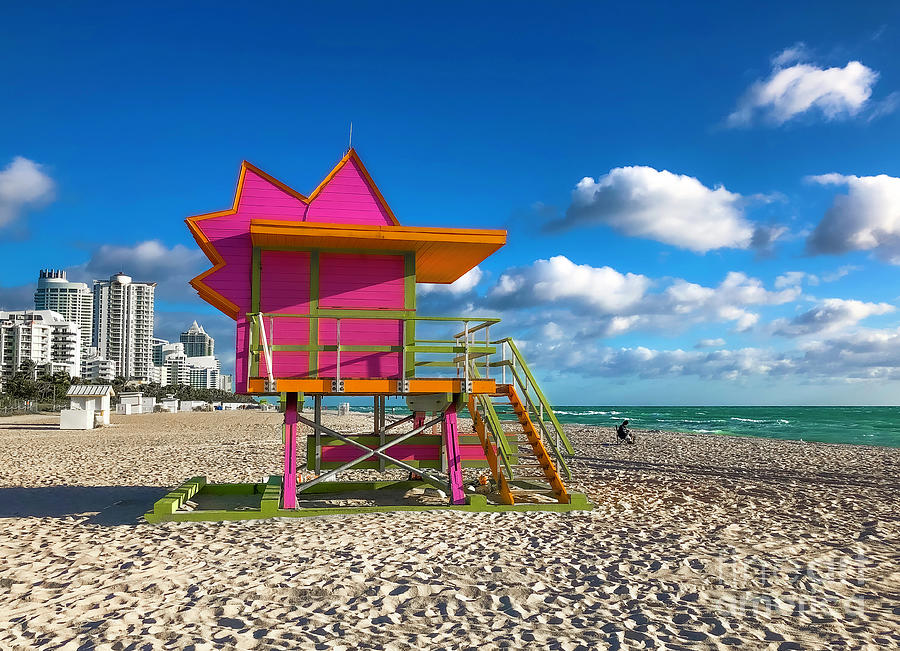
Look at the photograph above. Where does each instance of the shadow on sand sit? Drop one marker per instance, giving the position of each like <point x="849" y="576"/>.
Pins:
<point x="104" y="505"/>
<point x="773" y="476"/>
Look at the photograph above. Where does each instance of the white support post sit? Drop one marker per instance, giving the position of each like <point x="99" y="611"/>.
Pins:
<point x="466" y="366"/>
<point x="487" y="358"/>
<point x="267" y="352"/>
<point x="403" y="356"/>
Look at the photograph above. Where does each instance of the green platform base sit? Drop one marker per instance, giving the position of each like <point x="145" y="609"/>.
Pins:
<point x="221" y="502"/>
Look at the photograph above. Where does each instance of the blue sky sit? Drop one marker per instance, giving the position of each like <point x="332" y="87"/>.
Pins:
<point x="737" y="242"/>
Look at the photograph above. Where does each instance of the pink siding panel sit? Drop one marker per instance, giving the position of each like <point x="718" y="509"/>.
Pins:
<point x="472" y="452"/>
<point x="343" y="453"/>
<point x="347" y="199"/>
<point x="240" y="360"/>
<point x="361" y="281"/>
<point x="269" y="200"/>
<point x="284" y="288"/>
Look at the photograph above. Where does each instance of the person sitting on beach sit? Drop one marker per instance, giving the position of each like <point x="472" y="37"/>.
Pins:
<point x="624" y="434"/>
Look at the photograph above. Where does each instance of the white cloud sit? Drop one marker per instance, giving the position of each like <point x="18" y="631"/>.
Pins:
<point x="840" y="272"/>
<point x="463" y="285"/>
<point x="148" y="261"/>
<point x="793" y="90"/>
<point x="710" y="343"/>
<point x="22" y="184"/>
<point x="648" y="363"/>
<point x="885" y="107"/>
<point x="867" y="355"/>
<point x="560" y="280"/>
<point x="795" y="279"/>
<point x="794" y="54"/>
<point x="20" y="297"/>
<point x="867" y="218"/>
<point x="831" y="315"/>
<point x="675" y="209"/>
<point x="615" y="303"/>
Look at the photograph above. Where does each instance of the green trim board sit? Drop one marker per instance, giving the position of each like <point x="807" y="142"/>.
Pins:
<point x="270" y="502"/>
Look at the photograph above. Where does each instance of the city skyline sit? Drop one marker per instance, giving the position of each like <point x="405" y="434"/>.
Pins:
<point x="715" y="227"/>
<point x="111" y="322"/>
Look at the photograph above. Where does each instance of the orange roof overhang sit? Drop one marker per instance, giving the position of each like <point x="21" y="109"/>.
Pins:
<point x="442" y="254"/>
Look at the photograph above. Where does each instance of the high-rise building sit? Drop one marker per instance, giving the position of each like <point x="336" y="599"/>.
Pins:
<point x="123" y="325"/>
<point x="40" y="336"/>
<point x="196" y="342"/>
<point x="73" y="301"/>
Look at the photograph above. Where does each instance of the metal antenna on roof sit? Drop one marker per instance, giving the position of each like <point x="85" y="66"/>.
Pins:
<point x="350" y="144"/>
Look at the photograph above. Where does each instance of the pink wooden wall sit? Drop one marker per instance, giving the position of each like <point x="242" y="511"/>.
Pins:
<point x="284" y="288"/>
<point x="346" y="198"/>
<point x="364" y="282"/>
<point x="369" y="282"/>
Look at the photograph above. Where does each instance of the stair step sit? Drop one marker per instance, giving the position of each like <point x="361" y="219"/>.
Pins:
<point x="522" y="491"/>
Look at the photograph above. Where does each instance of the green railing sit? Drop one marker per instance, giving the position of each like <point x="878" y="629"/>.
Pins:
<point x="445" y="352"/>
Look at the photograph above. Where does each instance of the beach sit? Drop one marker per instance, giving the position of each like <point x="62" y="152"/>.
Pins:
<point x="695" y="541"/>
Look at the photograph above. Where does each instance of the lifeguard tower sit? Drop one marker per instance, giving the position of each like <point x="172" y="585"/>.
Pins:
<point x="322" y="289"/>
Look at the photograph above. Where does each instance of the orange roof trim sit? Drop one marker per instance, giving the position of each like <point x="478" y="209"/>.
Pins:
<point x="443" y="255"/>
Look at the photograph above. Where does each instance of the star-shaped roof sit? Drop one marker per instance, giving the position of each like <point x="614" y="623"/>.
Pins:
<point x="345" y="211"/>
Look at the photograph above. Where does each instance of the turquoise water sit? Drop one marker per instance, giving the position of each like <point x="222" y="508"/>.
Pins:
<point x="855" y="425"/>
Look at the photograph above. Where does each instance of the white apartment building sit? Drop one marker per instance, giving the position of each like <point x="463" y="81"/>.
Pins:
<point x="226" y="383"/>
<point x="123" y="325"/>
<point x="196" y="342"/>
<point x="204" y="378"/>
<point x="94" y="368"/>
<point x="74" y="301"/>
<point x="43" y="337"/>
<point x="177" y="368"/>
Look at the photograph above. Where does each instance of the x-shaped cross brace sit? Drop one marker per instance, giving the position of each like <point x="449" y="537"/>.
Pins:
<point x="378" y="452"/>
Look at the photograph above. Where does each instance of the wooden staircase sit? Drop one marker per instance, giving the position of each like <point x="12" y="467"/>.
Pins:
<point x="531" y="462"/>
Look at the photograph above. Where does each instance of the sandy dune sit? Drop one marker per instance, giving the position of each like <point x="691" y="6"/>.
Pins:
<point x="696" y="542"/>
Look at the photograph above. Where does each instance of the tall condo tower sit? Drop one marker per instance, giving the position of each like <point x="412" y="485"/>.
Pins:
<point x="196" y="342"/>
<point x="123" y="325"/>
<point x="73" y="301"/>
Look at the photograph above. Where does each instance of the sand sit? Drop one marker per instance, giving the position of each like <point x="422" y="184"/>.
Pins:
<point x="696" y="542"/>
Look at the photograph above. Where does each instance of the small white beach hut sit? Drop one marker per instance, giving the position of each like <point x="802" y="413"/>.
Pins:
<point x="88" y="406"/>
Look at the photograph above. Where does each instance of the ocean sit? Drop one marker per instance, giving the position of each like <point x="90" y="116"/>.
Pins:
<point x="853" y="425"/>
